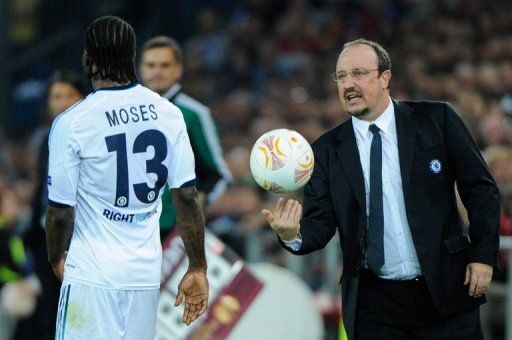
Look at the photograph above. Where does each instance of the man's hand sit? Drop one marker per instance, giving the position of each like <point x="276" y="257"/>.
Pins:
<point x="478" y="276"/>
<point x="285" y="219"/>
<point x="58" y="268"/>
<point x="194" y="288"/>
<point x="194" y="285"/>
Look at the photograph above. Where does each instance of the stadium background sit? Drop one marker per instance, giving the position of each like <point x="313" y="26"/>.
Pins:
<point x="261" y="65"/>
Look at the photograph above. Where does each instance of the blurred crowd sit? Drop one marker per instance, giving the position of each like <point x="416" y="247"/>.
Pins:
<point x="262" y="65"/>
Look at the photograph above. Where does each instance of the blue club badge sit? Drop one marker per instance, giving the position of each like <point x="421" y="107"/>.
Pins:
<point x="435" y="166"/>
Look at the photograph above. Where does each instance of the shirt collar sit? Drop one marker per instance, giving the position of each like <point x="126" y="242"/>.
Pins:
<point x="172" y="91"/>
<point x="118" y="87"/>
<point x="382" y="122"/>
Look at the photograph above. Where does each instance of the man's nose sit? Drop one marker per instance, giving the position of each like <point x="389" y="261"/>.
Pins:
<point x="157" y="71"/>
<point x="349" y="82"/>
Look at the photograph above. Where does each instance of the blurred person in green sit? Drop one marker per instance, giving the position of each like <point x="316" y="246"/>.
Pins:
<point x="19" y="286"/>
<point x="161" y="68"/>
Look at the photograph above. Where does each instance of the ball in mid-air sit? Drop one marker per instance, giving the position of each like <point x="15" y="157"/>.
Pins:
<point x="281" y="161"/>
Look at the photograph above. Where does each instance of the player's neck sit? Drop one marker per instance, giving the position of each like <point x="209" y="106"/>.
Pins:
<point x="102" y="83"/>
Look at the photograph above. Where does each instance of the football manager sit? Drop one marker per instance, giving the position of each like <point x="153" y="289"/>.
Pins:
<point x="386" y="179"/>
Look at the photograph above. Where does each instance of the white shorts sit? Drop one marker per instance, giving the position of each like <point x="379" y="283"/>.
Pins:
<point x="87" y="312"/>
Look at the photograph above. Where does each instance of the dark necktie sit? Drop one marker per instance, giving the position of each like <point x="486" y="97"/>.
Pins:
<point x="375" y="250"/>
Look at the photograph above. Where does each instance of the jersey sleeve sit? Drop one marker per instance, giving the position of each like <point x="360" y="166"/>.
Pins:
<point x="63" y="165"/>
<point x="182" y="168"/>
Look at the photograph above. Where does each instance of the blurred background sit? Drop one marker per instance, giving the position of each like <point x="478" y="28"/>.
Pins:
<point x="259" y="65"/>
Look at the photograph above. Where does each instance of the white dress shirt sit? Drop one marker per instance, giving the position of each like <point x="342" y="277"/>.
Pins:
<point x="401" y="260"/>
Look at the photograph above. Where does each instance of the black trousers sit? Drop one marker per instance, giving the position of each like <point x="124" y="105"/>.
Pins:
<point x="403" y="310"/>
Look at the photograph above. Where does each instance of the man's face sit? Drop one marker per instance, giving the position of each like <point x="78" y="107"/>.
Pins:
<point x="363" y="93"/>
<point x="159" y="69"/>
<point x="61" y="97"/>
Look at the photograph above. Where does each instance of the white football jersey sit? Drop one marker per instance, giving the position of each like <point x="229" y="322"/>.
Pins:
<point x="110" y="158"/>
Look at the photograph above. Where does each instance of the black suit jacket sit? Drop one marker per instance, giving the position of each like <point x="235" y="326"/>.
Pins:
<point x="334" y="198"/>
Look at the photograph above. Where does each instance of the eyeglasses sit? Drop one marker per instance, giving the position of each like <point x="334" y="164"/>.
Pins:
<point x="358" y="73"/>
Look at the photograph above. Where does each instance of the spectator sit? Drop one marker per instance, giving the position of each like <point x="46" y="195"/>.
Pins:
<point x="64" y="89"/>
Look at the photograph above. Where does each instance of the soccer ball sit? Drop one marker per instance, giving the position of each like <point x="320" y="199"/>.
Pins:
<point x="281" y="161"/>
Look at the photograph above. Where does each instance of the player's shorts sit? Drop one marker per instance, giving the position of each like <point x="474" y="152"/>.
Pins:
<point x="87" y="312"/>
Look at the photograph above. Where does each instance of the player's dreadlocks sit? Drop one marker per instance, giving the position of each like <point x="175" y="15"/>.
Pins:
<point x="110" y="46"/>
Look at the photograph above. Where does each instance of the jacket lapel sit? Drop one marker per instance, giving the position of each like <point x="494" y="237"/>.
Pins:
<point x="406" y="128"/>
<point x="348" y="156"/>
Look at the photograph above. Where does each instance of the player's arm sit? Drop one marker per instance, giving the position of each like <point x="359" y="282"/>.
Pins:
<point x="194" y="285"/>
<point x="191" y="225"/>
<point x="59" y="228"/>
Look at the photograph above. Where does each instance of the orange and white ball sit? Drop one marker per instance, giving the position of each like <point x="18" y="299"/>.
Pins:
<point x="281" y="161"/>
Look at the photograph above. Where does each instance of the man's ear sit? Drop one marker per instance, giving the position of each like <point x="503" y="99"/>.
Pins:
<point x="179" y="71"/>
<point x="385" y="79"/>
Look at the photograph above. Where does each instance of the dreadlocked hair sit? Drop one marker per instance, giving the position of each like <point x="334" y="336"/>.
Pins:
<point x="110" y="46"/>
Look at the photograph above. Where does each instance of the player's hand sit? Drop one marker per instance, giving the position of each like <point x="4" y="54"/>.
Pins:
<point x="58" y="268"/>
<point x="285" y="219"/>
<point x="478" y="276"/>
<point x="194" y="288"/>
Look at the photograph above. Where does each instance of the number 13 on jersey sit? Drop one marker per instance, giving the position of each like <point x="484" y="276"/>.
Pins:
<point x="145" y="194"/>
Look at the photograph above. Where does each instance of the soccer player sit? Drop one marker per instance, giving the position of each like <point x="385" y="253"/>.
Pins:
<point x="161" y="68"/>
<point x="110" y="157"/>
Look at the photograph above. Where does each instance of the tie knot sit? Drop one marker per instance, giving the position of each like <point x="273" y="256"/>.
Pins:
<point x="374" y="129"/>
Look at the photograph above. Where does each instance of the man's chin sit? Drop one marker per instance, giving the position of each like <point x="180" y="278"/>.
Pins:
<point x="359" y="113"/>
<point x="157" y="88"/>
